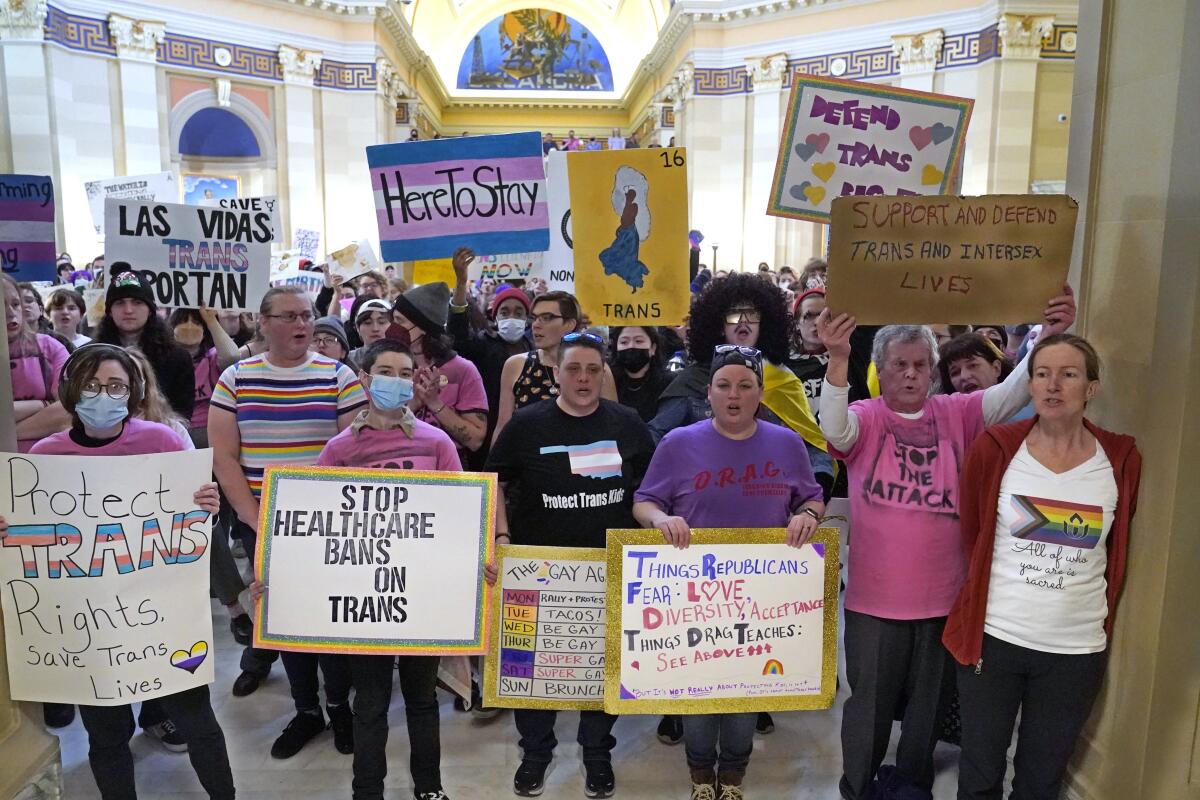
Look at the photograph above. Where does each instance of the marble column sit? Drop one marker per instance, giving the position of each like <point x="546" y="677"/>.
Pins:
<point x="26" y="86"/>
<point x="136" y="42"/>
<point x="917" y="55"/>
<point x="391" y="92"/>
<point x="299" y="142"/>
<point x="1021" y="40"/>
<point x="766" y="119"/>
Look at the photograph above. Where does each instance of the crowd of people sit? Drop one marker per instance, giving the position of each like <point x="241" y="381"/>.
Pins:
<point x="950" y="443"/>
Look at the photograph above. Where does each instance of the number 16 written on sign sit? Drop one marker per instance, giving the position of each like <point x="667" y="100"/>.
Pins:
<point x="674" y="158"/>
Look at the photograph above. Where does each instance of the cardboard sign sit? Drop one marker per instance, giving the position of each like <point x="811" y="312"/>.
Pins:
<point x="104" y="576"/>
<point x="738" y="621"/>
<point x="194" y="256"/>
<point x="483" y="192"/>
<point x="306" y="243"/>
<point x="547" y="645"/>
<point x="353" y="260"/>
<point x="156" y="186"/>
<point x="27" y="227"/>
<point x="853" y="138"/>
<point x="949" y="260"/>
<point x="629" y="220"/>
<point x="374" y="561"/>
<point x="559" y="262"/>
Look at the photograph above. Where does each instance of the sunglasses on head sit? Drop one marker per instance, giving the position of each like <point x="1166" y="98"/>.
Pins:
<point x="742" y="350"/>
<point x="571" y="338"/>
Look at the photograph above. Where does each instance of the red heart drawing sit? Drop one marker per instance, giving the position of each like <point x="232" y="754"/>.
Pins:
<point x="636" y="665"/>
<point x="818" y="140"/>
<point x="921" y="137"/>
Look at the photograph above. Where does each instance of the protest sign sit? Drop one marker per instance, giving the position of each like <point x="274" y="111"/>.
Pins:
<point x="374" y="561"/>
<point x="353" y="260"/>
<point x="311" y="282"/>
<point x="27" y="227"/>
<point x="738" y="621"/>
<point x="93" y="299"/>
<point x="629" y="219"/>
<point x="853" y="138"/>
<point x="104" y="576"/>
<point x="483" y="192"/>
<point x="267" y="205"/>
<point x="547" y="645"/>
<point x="306" y="242"/>
<point x="949" y="260"/>
<point x="559" y="262"/>
<point x="193" y="256"/>
<point x="155" y="186"/>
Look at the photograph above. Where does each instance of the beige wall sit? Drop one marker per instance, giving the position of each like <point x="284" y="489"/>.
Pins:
<point x="1053" y="97"/>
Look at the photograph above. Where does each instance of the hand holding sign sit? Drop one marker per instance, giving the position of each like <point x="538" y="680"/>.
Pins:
<point x="1060" y="312"/>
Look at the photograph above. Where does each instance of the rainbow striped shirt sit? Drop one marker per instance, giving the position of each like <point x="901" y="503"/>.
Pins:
<point x="285" y="415"/>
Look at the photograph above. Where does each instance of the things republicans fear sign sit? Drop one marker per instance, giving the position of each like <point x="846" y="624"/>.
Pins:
<point x="374" y="561"/>
<point x="853" y="138"/>
<point x="487" y="193"/>
<point x="195" y="256"/>
<point x="27" y="227"/>
<point x="738" y="621"/>
<point x="547" y="645"/>
<point x="157" y="186"/>
<point x="104" y="576"/>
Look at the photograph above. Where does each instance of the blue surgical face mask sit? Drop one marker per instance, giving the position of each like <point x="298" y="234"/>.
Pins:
<point x="389" y="393"/>
<point x="101" y="412"/>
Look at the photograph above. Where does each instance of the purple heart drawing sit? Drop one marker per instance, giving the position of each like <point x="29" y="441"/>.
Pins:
<point x="798" y="191"/>
<point x="805" y="151"/>
<point x="940" y="133"/>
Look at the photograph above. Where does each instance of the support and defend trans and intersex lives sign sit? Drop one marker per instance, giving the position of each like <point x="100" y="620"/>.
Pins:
<point x="374" y="561"/>
<point x="737" y="621"/>
<point x="104" y="576"/>
<point x="195" y="256"/>
<point x="487" y="193"/>
<point x="548" y="631"/>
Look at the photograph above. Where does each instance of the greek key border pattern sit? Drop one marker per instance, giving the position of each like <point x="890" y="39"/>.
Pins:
<point x="723" y="81"/>
<point x="78" y="33"/>
<point x="197" y="53"/>
<point x="667" y="119"/>
<point x="352" y="77"/>
<point x="1054" y="49"/>
<point x="402" y="113"/>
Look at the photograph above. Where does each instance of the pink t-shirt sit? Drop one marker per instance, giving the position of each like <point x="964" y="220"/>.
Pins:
<point x="906" y="559"/>
<point x="35" y="377"/>
<point x="429" y="449"/>
<point x="138" y="437"/>
<point x="208" y="372"/>
<point x="462" y="390"/>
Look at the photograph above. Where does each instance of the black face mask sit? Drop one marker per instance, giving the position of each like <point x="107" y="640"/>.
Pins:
<point x="633" y="358"/>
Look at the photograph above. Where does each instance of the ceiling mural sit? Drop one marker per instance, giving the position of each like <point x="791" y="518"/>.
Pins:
<point x="535" y="49"/>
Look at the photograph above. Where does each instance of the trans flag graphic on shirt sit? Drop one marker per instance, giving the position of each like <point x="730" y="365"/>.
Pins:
<point x="596" y="460"/>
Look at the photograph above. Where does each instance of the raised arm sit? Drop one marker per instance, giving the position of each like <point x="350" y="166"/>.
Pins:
<point x="838" y="423"/>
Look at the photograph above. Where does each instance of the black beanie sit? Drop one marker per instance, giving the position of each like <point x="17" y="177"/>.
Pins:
<point x="125" y="281"/>
<point x="426" y="306"/>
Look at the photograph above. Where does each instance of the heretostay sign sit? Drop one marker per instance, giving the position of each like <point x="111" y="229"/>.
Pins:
<point x="104" y="576"/>
<point x="195" y="256"/>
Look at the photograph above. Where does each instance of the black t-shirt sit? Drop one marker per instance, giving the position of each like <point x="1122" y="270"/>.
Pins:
<point x="574" y="477"/>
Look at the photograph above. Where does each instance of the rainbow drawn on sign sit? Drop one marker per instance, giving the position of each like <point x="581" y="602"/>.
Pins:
<point x="772" y="667"/>
<point x="1057" y="522"/>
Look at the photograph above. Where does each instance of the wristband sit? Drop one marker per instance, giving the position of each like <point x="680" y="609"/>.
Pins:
<point x="811" y="513"/>
<point x="440" y="410"/>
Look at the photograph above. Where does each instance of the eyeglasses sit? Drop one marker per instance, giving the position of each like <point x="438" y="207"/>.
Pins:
<point x="546" y="317"/>
<point x="115" y="389"/>
<point x="571" y="338"/>
<point x="740" y="349"/>
<point x="738" y="315"/>
<point x="291" y="316"/>
<point x="325" y="341"/>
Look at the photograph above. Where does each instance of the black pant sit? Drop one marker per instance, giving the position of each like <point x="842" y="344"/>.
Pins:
<point x="372" y="695"/>
<point x="537" y="734"/>
<point x="301" y="668"/>
<point x="1053" y="692"/>
<point x="886" y="661"/>
<point x="110" y="728"/>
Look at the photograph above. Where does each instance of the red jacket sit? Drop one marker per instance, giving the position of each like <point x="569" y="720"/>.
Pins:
<point x="987" y="461"/>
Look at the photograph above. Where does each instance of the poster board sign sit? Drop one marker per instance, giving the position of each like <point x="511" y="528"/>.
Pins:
<point x="104" y="576"/>
<point x="953" y="260"/>
<point x="311" y="282"/>
<point x="548" y="633"/>
<point x="353" y="260"/>
<point x="507" y="266"/>
<point x="307" y="243"/>
<point x="845" y="137"/>
<point x="268" y="205"/>
<point x="559" y="262"/>
<point x="193" y="255"/>
<point x="483" y="192"/>
<point x="629" y="218"/>
<point x="27" y="227"/>
<point x="374" y="561"/>
<point x="155" y="186"/>
<point x="738" y="621"/>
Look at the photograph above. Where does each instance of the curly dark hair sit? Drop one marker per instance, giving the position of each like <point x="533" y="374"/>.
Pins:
<point x="706" y="328"/>
<point x="156" y="340"/>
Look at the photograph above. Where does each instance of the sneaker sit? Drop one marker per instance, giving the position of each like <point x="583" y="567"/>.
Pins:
<point x="478" y="709"/>
<point x="435" y="795"/>
<point x="242" y="629"/>
<point x="731" y="791"/>
<point x="530" y="779"/>
<point x="704" y="785"/>
<point x="670" y="729"/>
<point x="246" y="683"/>
<point x="341" y="720"/>
<point x="764" y="724"/>
<point x="168" y="736"/>
<point x="599" y="780"/>
<point x="299" y="732"/>
<point x="57" y="715"/>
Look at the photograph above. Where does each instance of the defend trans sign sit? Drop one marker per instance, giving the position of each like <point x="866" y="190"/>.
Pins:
<point x="483" y="192"/>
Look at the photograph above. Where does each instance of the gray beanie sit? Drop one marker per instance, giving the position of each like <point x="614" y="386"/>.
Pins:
<point x="333" y="326"/>
<point x="427" y="306"/>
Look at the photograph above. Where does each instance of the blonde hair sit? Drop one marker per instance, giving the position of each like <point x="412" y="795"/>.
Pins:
<point x="155" y="407"/>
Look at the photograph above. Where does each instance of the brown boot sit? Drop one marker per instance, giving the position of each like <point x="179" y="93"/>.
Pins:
<point x="704" y="784"/>
<point x="729" y="786"/>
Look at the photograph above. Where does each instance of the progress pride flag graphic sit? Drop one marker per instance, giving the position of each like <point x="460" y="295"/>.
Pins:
<point x="483" y="192"/>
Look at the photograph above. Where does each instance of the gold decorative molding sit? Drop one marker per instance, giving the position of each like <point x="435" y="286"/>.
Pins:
<point x="1022" y="35"/>
<point x="767" y="72"/>
<point x="299" y="66"/>
<point x="22" y="20"/>
<point x="918" y="52"/>
<point x="136" y="39"/>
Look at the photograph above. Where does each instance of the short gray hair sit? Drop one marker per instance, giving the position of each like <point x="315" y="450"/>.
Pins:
<point x="903" y="334"/>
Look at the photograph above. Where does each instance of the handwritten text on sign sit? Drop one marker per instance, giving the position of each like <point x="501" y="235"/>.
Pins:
<point x="195" y="255"/>
<point x="156" y="186"/>
<point x="737" y="621"/>
<point x="853" y="138"/>
<point x="995" y="258"/>
<point x="27" y="227"/>
<point x="483" y="192"/>
<point x="547" y="646"/>
<point x="374" y="561"/>
<point x="104" y="576"/>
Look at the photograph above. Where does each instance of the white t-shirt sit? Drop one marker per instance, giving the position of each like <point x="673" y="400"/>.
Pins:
<point x="1047" y="589"/>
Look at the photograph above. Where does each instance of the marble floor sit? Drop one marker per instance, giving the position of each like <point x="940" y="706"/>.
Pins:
<point x="801" y="759"/>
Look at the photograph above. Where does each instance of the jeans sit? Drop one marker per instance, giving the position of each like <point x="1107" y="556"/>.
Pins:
<point x="1054" y="694"/>
<point x="734" y="733"/>
<point x="537" y="734"/>
<point x="372" y="695"/>
<point x="887" y="660"/>
<point x="110" y="728"/>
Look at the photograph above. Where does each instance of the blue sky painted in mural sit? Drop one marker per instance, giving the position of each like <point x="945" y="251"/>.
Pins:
<point x="535" y="49"/>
